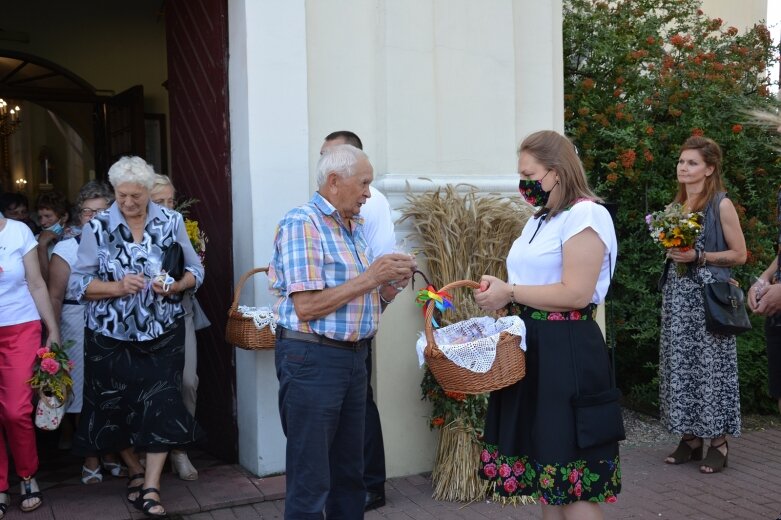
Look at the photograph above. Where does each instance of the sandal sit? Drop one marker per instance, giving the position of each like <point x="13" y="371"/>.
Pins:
<point x="135" y="489"/>
<point x="91" y="476"/>
<point x="146" y="504"/>
<point x="5" y="501"/>
<point x="684" y="452"/>
<point x="114" y="468"/>
<point x="29" y="491"/>
<point x="715" y="461"/>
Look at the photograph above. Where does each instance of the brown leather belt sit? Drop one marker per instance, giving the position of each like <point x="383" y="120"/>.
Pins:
<point x="283" y="333"/>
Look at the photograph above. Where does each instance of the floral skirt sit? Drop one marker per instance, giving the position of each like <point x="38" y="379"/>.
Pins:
<point x="529" y="443"/>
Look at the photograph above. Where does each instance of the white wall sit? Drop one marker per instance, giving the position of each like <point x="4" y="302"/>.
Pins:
<point x="443" y="89"/>
<point x="269" y="151"/>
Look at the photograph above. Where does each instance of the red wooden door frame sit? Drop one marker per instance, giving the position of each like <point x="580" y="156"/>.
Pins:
<point x="197" y="43"/>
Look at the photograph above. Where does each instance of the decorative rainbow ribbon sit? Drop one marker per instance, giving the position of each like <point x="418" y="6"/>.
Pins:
<point x="443" y="300"/>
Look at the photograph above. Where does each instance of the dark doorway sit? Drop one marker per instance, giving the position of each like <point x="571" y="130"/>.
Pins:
<point x="199" y="152"/>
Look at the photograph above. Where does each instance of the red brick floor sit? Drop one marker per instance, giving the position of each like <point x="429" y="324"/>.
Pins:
<point x="748" y="489"/>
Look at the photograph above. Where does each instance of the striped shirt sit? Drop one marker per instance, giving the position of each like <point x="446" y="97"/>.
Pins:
<point x="315" y="250"/>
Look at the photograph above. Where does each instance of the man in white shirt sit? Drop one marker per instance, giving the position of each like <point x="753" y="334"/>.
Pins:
<point x="381" y="238"/>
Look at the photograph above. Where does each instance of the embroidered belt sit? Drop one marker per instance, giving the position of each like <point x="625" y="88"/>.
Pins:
<point x="283" y="333"/>
<point x="587" y="313"/>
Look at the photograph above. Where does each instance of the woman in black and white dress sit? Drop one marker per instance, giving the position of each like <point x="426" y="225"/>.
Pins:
<point x="134" y="337"/>
<point x="699" y="393"/>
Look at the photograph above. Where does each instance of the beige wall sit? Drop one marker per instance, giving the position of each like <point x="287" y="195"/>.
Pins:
<point x="442" y="89"/>
<point x="742" y="14"/>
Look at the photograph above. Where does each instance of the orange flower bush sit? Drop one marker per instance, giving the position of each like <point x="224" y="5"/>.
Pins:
<point x="650" y="74"/>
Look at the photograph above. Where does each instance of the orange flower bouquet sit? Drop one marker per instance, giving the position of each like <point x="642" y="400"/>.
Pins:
<point x="675" y="227"/>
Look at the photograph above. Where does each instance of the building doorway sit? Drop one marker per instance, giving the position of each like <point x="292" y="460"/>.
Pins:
<point x="177" y="120"/>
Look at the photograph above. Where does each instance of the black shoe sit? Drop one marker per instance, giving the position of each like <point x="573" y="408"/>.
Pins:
<point x="374" y="500"/>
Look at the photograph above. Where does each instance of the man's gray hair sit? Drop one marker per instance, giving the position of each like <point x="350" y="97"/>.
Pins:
<point x="340" y="159"/>
<point x="131" y="169"/>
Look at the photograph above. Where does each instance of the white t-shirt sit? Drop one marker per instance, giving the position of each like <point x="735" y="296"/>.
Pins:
<point x="378" y="225"/>
<point x="539" y="261"/>
<point x="68" y="250"/>
<point x="16" y="302"/>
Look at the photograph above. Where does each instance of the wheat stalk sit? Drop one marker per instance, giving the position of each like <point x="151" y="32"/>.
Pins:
<point x="462" y="237"/>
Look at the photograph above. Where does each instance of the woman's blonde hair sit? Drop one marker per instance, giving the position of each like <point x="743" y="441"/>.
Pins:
<point x="710" y="152"/>
<point x="557" y="153"/>
<point x="162" y="181"/>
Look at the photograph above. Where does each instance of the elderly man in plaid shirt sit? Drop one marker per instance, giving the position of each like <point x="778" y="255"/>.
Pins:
<point x="331" y="291"/>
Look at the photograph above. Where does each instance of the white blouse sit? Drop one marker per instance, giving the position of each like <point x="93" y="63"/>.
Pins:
<point x="536" y="256"/>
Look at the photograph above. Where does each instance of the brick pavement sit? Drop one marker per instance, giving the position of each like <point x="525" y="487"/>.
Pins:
<point x="749" y="489"/>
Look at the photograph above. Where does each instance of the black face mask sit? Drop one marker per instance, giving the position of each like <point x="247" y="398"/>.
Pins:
<point x="532" y="191"/>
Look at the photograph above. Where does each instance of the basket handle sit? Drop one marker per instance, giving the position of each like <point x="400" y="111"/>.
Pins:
<point x="431" y="347"/>
<point x="235" y="305"/>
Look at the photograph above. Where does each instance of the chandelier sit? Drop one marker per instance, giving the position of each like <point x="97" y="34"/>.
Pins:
<point x="9" y="118"/>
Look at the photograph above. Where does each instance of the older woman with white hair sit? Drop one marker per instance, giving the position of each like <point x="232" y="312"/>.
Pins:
<point x="134" y="337"/>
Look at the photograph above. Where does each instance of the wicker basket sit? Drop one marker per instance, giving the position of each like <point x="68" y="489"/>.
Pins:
<point x="509" y="365"/>
<point x="241" y="331"/>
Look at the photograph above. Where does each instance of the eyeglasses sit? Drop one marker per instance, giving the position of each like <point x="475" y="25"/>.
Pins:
<point x="87" y="212"/>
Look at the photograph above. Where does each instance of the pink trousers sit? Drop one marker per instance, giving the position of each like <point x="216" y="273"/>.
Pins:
<point x="18" y="344"/>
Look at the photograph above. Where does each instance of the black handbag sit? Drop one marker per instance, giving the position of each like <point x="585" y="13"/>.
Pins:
<point x="173" y="261"/>
<point x="725" y="309"/>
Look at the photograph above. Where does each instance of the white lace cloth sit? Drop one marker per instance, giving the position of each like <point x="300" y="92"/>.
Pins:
<point x="262" y="316"/>
<point x="471" y="343"/>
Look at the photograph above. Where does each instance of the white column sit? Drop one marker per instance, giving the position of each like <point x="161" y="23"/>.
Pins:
<point x="270" y="175"/>
<point x="539" y="67"/>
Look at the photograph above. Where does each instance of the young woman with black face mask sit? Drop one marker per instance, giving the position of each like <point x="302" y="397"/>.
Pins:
<point x="559" y="269"/>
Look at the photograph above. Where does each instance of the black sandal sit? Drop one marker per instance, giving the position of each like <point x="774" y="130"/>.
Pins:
<point x="27" y="493"/>
<point x="134" y="489"/>
<point x="715" y="460"/>
<point x="684" y="452"/>
<point x="146" y="504"/>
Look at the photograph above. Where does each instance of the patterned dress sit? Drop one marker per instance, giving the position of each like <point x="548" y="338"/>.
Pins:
<point x="698" y="371"/>
<point x="133" y="344"/>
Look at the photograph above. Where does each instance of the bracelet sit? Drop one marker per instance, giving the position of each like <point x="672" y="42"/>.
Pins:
<point x="696" y="257"/>
<point x="512" y="294"/>
<point x="703" y="259"/>
<point x="383" y="300"/>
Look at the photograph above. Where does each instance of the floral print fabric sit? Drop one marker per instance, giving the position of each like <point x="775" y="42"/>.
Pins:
<point x="552" y="484"/>
<point x="698" y="371"/>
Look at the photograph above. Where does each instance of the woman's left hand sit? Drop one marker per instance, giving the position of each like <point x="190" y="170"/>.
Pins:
<point x="676" y="254"/>
<point x="53" y="338"/>
<point x="493" y="293"/>
<point x="166" y="290"/>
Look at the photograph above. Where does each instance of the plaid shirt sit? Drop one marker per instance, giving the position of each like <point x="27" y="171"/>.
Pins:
<point x="314" y="250"/>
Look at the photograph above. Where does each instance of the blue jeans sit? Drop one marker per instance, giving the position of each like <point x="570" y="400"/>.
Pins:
<point x="322" y="405"/>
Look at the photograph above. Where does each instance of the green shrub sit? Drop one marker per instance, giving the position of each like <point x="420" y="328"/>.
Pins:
<point x="640" y="77"/>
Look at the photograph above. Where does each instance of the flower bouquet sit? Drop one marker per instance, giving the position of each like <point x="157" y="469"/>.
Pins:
<point x="197" y="238"/>
<point x="675" y="227"/>
<point x="51" y="377"/>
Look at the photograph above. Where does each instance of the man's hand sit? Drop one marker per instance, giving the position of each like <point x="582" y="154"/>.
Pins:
<point x="770" y="301"/>
<point x="394" y="267"/>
